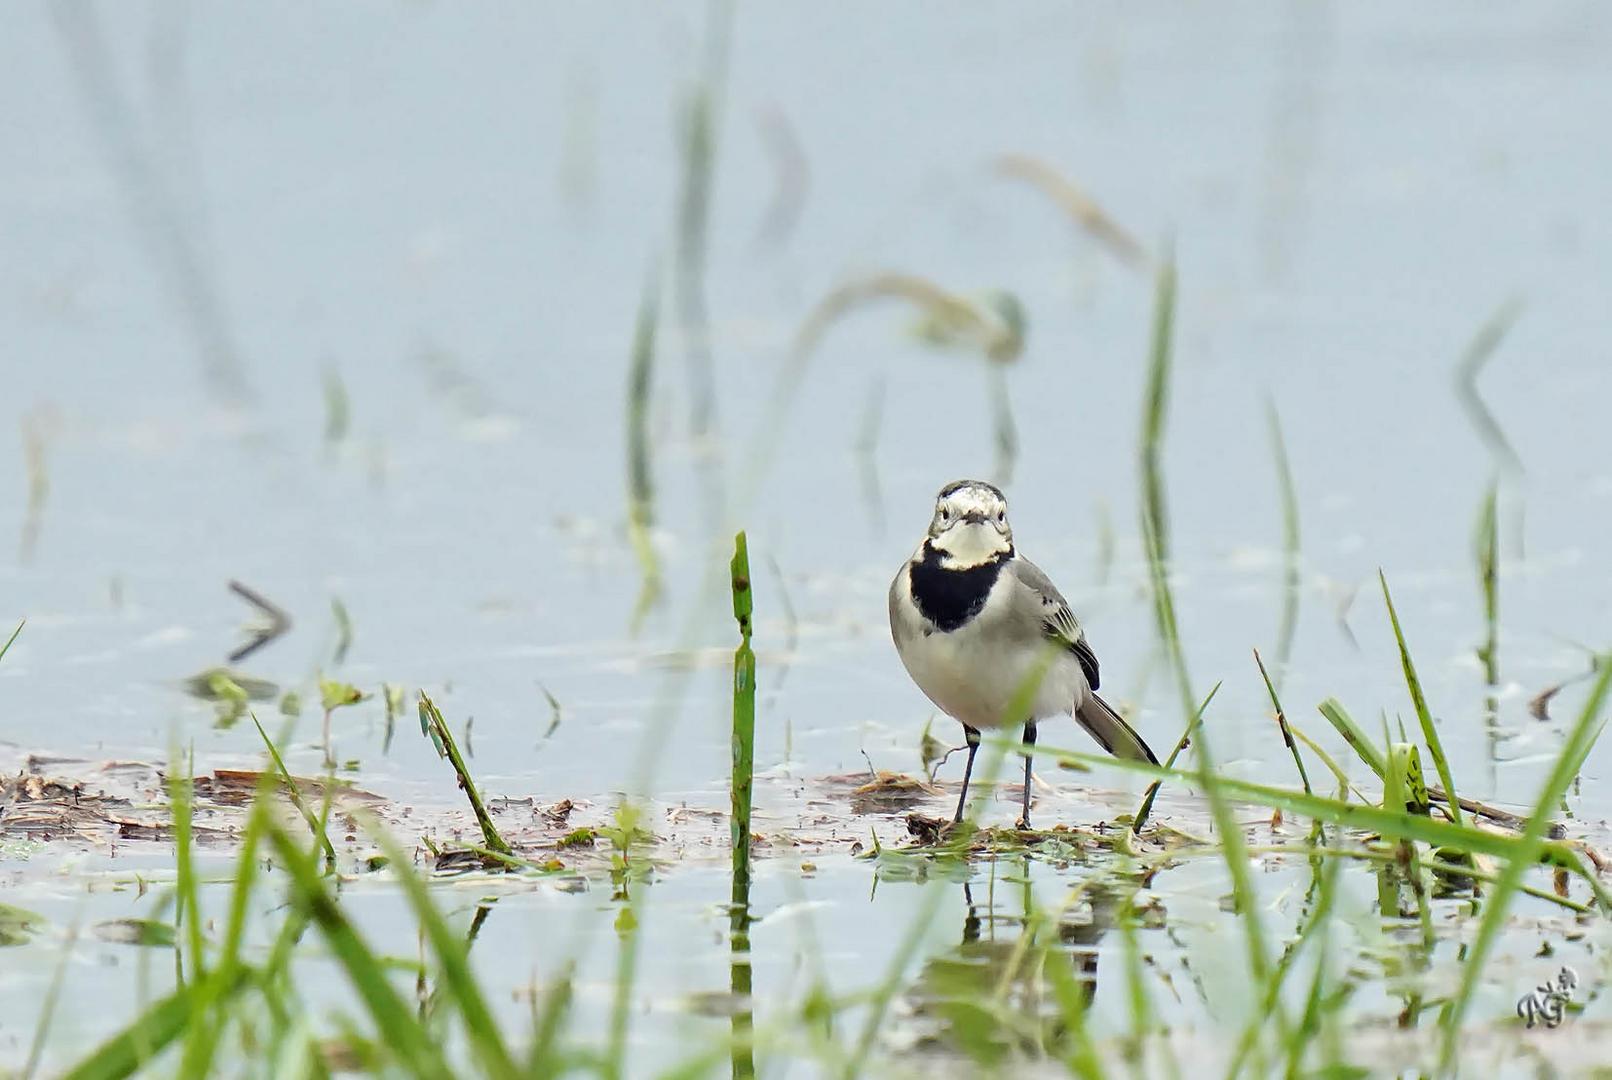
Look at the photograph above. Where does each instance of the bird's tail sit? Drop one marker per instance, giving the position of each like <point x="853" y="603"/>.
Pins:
<point x="1115" y="735"/>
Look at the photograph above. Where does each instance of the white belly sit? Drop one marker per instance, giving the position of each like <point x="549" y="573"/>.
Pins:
<point x="978" y="678"/>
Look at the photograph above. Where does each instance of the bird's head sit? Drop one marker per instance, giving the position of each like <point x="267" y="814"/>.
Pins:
<point x="970" y="525"/>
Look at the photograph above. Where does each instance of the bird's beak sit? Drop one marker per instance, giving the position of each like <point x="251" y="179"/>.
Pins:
<point x="974" y="518"/>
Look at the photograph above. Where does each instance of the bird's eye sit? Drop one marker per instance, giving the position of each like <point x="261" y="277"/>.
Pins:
<point x="945" y="514"/>
<point x="1001" y="515"/>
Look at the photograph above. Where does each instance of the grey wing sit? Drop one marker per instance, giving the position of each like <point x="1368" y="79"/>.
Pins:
<point x="1057" y="621"/>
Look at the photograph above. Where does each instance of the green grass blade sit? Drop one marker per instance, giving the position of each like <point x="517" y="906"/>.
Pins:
<point x="1187" y="732"/>
<point x="47" y="1007"/>
<point x="1340" y="719"/>
<point x="542" y="1060"/>
<point x="1317" y="919"/>
<point x="1281" y="723"/>
<point x="886" y="991"/>
<point x="1394" y="781"/>
<point x="615" y="1064"/>
<point x="1332" y="766"/>
<point x="1486" y="545"/>
<point x="431" y="720"/>
<point x="1477" y="354"/>
<point x="1155" y="534"/>
<point x="1486" y="552"/>
<point x="640" y="473"/>
<point x="1591" y="722"/>
<point x="1397" y="826"/>
<point x="202" y="1039"/>
<point x="1245" y="895"/>
<point x="400" y="1030"/>
<point x="7" y="646"/>
<point x="132" y="1049"/>
<point x="1291" y="575"/>
<point x="1155" y="406"/>
<point x="741" y="789"/>
<point x="296" y="796"/>
<point x="1429" y="732"/>
<point x="453" y="955"/>
<point x="187" y="908"/>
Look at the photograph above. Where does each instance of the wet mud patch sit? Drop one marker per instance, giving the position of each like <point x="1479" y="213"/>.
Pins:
<point x="61" y="803"/>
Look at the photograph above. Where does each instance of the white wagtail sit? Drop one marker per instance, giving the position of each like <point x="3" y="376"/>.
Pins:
<point x="981" y="629"/>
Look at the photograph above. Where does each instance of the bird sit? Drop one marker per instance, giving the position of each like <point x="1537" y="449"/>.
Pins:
<point x="989" y="639"/>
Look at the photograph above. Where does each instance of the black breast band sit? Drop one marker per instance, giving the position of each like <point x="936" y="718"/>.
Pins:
<point x="950" y="597"/>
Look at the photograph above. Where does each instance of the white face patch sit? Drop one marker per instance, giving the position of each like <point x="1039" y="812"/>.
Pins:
<point x="967" y="544"/>
<point x="970" y="525"/>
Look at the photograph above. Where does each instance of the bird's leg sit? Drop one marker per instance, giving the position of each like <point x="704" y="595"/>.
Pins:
<point x="1029" y="752"/>
<point x="973" y="737"/>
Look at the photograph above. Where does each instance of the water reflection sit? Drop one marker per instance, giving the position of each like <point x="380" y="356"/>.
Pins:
<point x="1003" y="990"/>
<point x="739" y="979"/>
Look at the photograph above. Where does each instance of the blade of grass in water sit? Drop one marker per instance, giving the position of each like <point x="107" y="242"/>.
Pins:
<point x="1487" y="552"/>
<point x="1281" y="722"/>
<point x="47" y="1007"/>
<point x="543" y="1060"/>
<point x="1155" y="531"/>
<point x="1138" y="1000"/>
<point x="1155" y="517"/>
<point x="640" y="476"/>
<point x="431" y="720"/>
<point x="296" y="796"/>
<point x="1580" y="740"/>
<point x="1478" y="354"/>
<point x="1428" y="862"/>
<point x="1326" y="759"/>
<point x="1318" y="916"/>
<point x="1146" y="806"/>
<point x="202" y="1038"/>
<point x="400" y="1030"/>
<point x="614" y="1066"/>
<point x="744" y="712"/>
<point x="1155" y="534"/>
<point x="1408" y="760"/>
<point x="1155" y="407"/>
<point x="35" y="442"/>
<point x="187" y="907"/>
<point x="1245" y="896"/>
<point x="741" y="791"/>
<point x="453" y="956"/>
<point x="1080" y="1056"/>
<point x="885" y="992"/>
<point x="1340" y="719"/>
<point x="344" y="631"/>
<point x="701" y="117"/>
<point x="1080" y="207"/>
<point x="132" y="1049"/>
<point x="7" y="646"/>
<point x="1487" y="545"/>
<point x="1429" y="732"/>
<point x="1364" y="816"/>
<point x="1290" y="549"/>
<point x="338" y="408"/>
